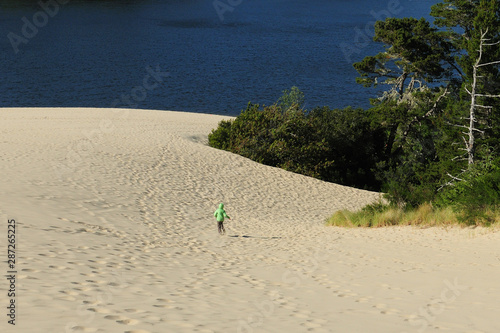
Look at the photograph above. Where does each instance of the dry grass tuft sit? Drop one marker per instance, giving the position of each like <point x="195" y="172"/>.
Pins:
<point x="426" y="215"/>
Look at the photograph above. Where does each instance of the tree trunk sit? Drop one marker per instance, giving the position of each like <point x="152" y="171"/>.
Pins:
<point x="401" y="86"/>
<point x="472" y="114"/>
<point x="390" y="141"/>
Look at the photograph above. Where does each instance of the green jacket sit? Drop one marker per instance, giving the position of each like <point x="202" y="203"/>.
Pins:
<point x="220" y="213"/>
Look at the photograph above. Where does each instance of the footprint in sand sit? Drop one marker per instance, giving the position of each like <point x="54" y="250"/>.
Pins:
<point x="99" y="310"/>
<point x="346" y="294"/>
<point x="310" y="324"/>
<point x="84" y="329"/>
<point x="390" y="311"/>
<point x="96" y="281"/>
<point x="30" y="270"/>
<point x="122" y="320"/>
<point x="102" y="262"/>
<point x="57" y="267"/>
<point x="115" y="317"/>
<point x="164" y="300"/>
<point x="76" y="263"/>
<point x="128" y="321"/>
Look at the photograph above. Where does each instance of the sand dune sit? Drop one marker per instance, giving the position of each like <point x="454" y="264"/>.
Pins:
<point x="115" y="233"/>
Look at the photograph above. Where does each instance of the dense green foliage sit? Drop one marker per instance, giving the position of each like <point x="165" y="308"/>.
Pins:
<point x="410" y="144"/>
<point x="424" y="112"/>
<point x="333" y="145"/>
<point x="476" y="194"/>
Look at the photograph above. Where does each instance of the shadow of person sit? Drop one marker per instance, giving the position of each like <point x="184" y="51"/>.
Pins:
<point x="259" y="237"/>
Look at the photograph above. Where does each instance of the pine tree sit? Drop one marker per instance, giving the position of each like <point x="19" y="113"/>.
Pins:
<point x="473" y="27"/>
<point x="438" y="76"/>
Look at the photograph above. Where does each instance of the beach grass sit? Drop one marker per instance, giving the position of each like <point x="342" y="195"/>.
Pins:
<point x="380" y="215"/>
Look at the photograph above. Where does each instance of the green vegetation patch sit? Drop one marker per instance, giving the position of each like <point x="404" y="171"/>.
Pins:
<point x="425" y="215"/>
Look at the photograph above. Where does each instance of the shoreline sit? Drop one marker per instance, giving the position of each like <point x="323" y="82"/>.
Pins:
<point x="109" y="108"/>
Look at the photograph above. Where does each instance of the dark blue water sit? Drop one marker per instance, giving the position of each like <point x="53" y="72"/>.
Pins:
<point x="102" y="53"/>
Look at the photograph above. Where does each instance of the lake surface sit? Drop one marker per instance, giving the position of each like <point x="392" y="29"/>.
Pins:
<point x="190" y="55"/>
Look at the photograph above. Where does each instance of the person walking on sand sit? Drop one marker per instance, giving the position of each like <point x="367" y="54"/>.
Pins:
<point x="220" y="214"/>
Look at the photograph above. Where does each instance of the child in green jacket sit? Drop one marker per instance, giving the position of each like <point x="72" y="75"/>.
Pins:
<point x="220" y="214"/>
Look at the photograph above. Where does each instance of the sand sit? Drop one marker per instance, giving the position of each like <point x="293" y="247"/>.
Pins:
<point x="115" y="233"/>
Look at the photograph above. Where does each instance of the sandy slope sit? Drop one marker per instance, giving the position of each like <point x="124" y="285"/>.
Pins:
<point x="115" y="233"/>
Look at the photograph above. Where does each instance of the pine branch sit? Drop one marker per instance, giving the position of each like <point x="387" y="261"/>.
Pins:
<point x="455" y="178"/>
<point x="467" y="146"/>
<point x="451" y="182"/>
<point x="466" y="127"/>
<point x="456" y="68"/>
<point x="489" y="63"/>
<point x="491" y="44"/>
<point x="427" y="114"/>
<point x="490" y="96"/>
<point x="482" y="106"/>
